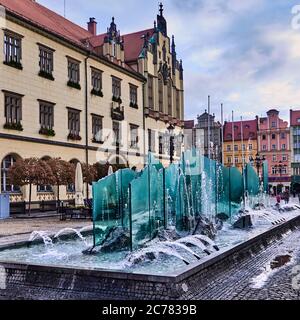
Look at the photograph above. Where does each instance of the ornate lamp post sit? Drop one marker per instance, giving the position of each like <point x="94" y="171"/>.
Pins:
<point x="171" y="132"/>
<point x="257" y="162"/>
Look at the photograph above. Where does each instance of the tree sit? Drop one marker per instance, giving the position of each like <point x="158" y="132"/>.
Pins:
<point x="102" y="169"/>
<point x="63" y="172"/>
<point x="28" y="172"/>
<point x="89" y="173"/>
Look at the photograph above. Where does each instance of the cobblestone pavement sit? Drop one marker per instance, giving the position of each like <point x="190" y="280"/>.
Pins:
<point x="12" y="230"/>
<point x="243" y="280"/>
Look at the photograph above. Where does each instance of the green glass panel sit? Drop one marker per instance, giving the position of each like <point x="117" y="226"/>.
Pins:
<point x="252" y="180"/>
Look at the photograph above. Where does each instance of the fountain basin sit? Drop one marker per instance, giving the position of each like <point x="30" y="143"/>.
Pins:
<point x="35" y="281"/>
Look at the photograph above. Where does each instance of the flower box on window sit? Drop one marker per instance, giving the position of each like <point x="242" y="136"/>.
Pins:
<point x="98" y="93"/>
<point x="47" y="132"/>
<point x="74" y="85"/>
<point x="13" y="126"/>
<point x="117" y="99"/>
<point x="94" y="140"/>
<point x="14" y="64"/>
<point x="74" y="136"/>
<point x="117" y="113"/>
<point x="46" y="75"/>
<point x="134" y="105"/>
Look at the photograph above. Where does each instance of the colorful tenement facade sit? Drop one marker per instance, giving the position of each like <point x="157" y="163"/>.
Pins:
<point x="274" y="145"/>
<point x="295" y="150"/>
<point x="239" y="147"/>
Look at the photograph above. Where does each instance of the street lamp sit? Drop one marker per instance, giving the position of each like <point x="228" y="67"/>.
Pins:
<point x="171" y="132"/>
<point x="258" y="162"/>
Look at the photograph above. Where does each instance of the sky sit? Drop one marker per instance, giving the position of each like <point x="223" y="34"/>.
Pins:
<point x="243" y="53"/>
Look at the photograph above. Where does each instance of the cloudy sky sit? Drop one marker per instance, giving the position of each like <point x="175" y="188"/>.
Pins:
<point x="244" y="53"/>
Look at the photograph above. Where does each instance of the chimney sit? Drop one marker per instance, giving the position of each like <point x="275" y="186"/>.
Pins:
<point x="92" y="26"/>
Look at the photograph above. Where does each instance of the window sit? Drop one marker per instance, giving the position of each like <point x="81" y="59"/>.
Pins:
<point x="250" y="146"/>
<point x="7" y="162"/>
<point x="273" y="124"/>
<point x="236" y="147"/>
<point x="273" y="146"/>
<point x="12" y="108"/>
<point x="264" y="137"/>
<point x="12" y="49"/>
<point x="96" y="81"/>
<point x="97" y="128"/>
<point x="273" y="136"/>
<point x="133" y="96"/>
<point x="284" y="157"/>
<point x="117" y="132"/>
<point x="116" y="87"/>
<point x="178" y="104"/>
<point x="73" y="71"/>
<point x="151" y="140"/>
<point x="274" y="157"/>
<point x="170" y="112"/>
<point x="298" y="120"/>
<point x="134" y="138"/>
<point x="274" y="170"/>
<point x="150" y="92"/>
<point x="228" y="159"/>
<point x="160" y="95"/>
<point x="228" y="147"/>
<point x="244" y="147"/>
<point x="282" y="135"/>
<point x="264" y="147"/>
<point x="46" y="115"/>
<point x="46" y="61"/>
<point x="284" y="170"/>
<point x="74" y="121"/>
<point x="160" y="144"/>
<point x="236" y="159"/>
<point x="283" y="146"/>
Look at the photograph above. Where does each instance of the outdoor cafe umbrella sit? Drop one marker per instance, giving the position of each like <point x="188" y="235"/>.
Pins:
<point x="78" y="186"/>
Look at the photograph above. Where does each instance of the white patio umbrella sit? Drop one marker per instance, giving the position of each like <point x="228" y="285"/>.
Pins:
<point x="78" y="186"/>
<point x="110" y="170"/>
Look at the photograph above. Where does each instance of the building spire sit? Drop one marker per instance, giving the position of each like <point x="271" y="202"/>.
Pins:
<point x="161" y="9"/>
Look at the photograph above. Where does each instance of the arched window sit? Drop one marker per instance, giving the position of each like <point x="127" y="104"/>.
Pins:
<point x="6" y="163"/>
<point x="160" y="94"/>
<point x="170" y="111"/>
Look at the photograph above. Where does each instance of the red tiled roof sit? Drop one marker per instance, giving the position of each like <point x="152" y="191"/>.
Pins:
<point x="47" y="19"/>
<point x="188" y="124"/>
<point x="294" y="117"/>
<point x="43" y="17"/>
<point x="249" y="130"/>
<point x="133" y="44"/>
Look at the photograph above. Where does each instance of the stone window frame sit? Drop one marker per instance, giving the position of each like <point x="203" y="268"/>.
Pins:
<point x="73" y="71"/>
<point x="46" y="60"/>
<point x="116" y="87"/>
<point x="12" y="107"/>
<point x="178" y="104"/>
<point x="160" y="94"/>
<point x="133" y="95"/>
<point x="150" y="92"/>
<point x="74" y="121"/>
<point x="46" y="114"/>
<point x="134" y="136"/>
<point x="169" y="96"/>
<point x="12" y="48"/>
<point x="97" y="127"/>
<point x="96" y="79"/>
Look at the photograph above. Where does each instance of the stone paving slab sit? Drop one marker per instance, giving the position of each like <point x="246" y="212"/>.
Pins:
<point x="236" y="282"/>
<point x="13" y="230"/>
